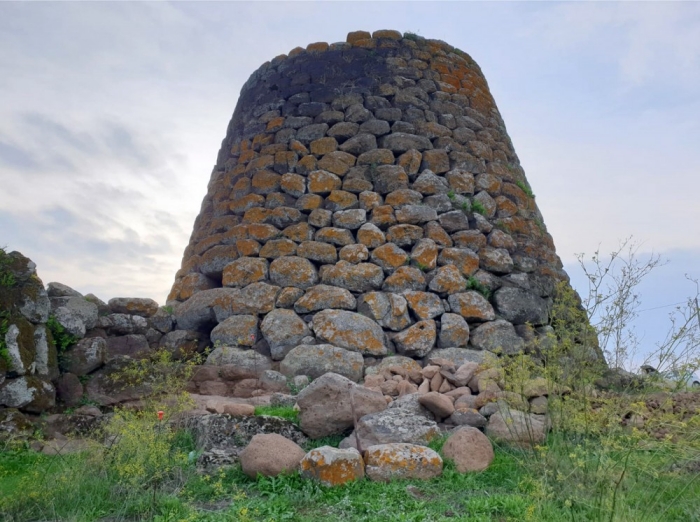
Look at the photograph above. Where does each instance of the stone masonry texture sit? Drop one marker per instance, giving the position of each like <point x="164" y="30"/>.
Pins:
<point x="373" y="182"/>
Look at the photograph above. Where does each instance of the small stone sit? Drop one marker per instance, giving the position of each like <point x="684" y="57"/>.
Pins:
<point x="387" y="462"/>
<point x="317" y="251"/>
<point x="389" y="256"/>
<point x="293" y="271"/>
<point x="350" y="330"/>
<point x="362" y="277"/>
<point x="332" y="466"/>
<point x="472" y="306"/>
<point x="244" y="271"/>
<point x="464" y="259"/>
<point x="349" y="219"/>
<point x="454" y="331"/>
<point x="447" y="280"/>
<point x="438" y="404"/>
<point x="354" y="253"/>
<point x="425" y="305"/>
<point x="417" y="340"/>
<point x="404" y="278"/>
<point x="370" y="236"/>
<point x="335" y="236"/>
<point x="270" y="455"/>
<point x="470" y="450"/>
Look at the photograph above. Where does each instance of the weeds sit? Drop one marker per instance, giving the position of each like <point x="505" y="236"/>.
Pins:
<point x="527" y="190"/>
<point x="286" y="412"/>
<point x="61" y="337"/>
<point x="478" y="208"/>
<point x="474" y="284"/>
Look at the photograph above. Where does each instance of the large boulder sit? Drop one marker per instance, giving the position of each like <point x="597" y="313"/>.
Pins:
<point x="350" y="330"/>
<point x="78" y="309"/>
<point x="362" y="277"/>
<point x="417" y="340"/>
<point x="323" y="297"/>
<point x="283" y="330"/>
<point x="407" y="363"/>
<point x="270" y="455"/>
<point x="140" y="306"/>
<point x="457" y="356"/>
<point x="86" y="356"/>
<point x="387" y="462"/>
<point x="472" y="306"/>
<point x="394" y="425"/>
<point x="454" y="331"/>
<point x="516" y="427"/>
<point x="28" y="393"/>
<point x="389" y="310"/>
<point x="470" y="450"/>
<point x="237" y="330"/>
<point x="242" y="363"/>
<point x="497" y="335"/>
<point x="410" y="403"/>
<point x="316" y="360"/>
<point x="326" y="405"/>
<point x="520" y="306"/>
<point x="332" y="466"/>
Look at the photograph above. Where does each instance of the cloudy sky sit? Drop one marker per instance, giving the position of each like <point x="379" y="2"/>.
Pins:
<point x="111" y="116"/>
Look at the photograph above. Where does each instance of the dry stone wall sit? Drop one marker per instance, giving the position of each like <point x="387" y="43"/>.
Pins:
<point x="367" y="198"/>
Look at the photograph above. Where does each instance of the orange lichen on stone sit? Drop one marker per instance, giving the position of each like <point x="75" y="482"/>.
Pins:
<point x="357" y="35"/>
<point x="257" y="215"/>
<point x="275" y="124"/>
<point x="387" y="33"/>
<point x="317" y="47"/>
<point x="331" y="466"/>
<point x="247" y="155"/>
<point x="260" y="140"/>
<point x="323" y="146"/>
<point x="266" y="181"/>
<point x="368" y="43"/>
<point x="262" y="232"/>
<point x="248" y="247"/>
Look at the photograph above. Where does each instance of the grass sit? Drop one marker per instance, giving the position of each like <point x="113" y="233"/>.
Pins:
<point x="527" y="190"/>
<point x="474" y="284"/>
<point x="478" y="208"/>
<point x="573" y="476"/>
<point x="231" y="495"/>
<point x="286" y="412"/>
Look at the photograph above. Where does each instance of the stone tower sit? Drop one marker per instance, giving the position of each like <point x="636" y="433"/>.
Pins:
<point x="367" y="200"/>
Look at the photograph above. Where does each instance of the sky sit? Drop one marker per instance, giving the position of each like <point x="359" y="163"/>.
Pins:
<point x="111" y="116"/>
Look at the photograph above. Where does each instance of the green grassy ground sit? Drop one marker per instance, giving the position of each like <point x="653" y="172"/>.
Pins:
<point x="39" y="487"/>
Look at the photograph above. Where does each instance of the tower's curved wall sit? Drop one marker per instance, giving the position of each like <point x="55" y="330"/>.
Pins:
<point x="372" y="179"/>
